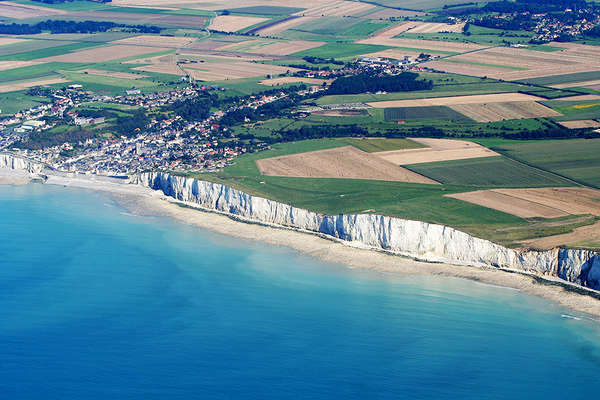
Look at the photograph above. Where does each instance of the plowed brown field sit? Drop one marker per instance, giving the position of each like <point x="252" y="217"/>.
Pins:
<point x="342" y="162"/>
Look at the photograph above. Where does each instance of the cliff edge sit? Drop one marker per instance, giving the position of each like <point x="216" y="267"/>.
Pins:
<point x="419" y="240"/>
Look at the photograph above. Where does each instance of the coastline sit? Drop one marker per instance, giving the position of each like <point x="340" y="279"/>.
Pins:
<point x="144" y="201"/>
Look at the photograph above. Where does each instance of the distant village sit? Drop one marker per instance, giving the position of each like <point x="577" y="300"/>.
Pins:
<point x="166" y="144"/>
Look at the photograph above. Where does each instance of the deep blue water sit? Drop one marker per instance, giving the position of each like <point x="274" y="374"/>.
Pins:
<point x="99" y="304"/>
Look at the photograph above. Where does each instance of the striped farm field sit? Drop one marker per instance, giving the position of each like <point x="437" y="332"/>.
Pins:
<point x="491" y="112"/>
<point x="450" y="101"/>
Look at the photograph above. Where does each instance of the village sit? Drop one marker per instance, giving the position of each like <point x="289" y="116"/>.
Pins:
<point x="169" y="143"/>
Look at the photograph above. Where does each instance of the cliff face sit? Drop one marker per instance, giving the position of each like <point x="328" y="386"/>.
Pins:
<point x="419" y="240"/>
<point x="12" y="162"/>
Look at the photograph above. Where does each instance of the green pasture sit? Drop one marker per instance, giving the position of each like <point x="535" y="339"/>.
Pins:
<point x="575" y="159"/>
<point x="488" y="172"/>
<point x="424" y="113"/>
<point x="14" y="102"/>
<point x="47" y="51"/>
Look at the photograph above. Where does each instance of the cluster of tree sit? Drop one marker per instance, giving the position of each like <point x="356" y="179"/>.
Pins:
<point x="515" y="23"/>
<point x="194" y="109"/>
<point x="133" y="124"/>
<point x="41" y="140"/>
<point x="319" y="60"/>
<point x="459" y="5"/>
<point x="308" y="67"/>
<point x="91" y="113"/>
<point x="372" y="82"/>
<point x="322" y="131"/>
<point x="220" y="102"/>
<point x="534" y="6"/>
<point x="266" y="111"/>
<point x="594" y="32"/>
<point x="39" y="91"/>
<point x="59" y="26"/>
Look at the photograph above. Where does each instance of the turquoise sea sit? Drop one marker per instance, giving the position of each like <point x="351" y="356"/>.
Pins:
<point x="99" y="304"/>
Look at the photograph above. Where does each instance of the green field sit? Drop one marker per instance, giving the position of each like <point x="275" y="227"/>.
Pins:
<point x="424" y="113"/>
<point x="327" y="25"/>
<point x="575" y="159"/>
<point x="48" y="51"/>
<point x="404" y="200"/>
<point x="113" y="85"/>
<point x="488" y="172"/>
<point x="36" y="71"/>
<point x="13" y="102"/>
<point x="364" y="28"/>
<point x="566" y="78"/>
<point x="491" y="39"/>
<point x="574" y="110"/>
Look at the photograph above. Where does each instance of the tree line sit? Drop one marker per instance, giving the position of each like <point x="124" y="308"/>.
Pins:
<point x="59" y="26"/>
<point x="373" y="82"/>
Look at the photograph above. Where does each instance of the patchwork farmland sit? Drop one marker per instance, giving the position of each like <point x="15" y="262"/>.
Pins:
<point x="342" y="162"/>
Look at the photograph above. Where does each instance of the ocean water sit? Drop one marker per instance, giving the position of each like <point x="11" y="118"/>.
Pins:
<point x="99" y="304"/>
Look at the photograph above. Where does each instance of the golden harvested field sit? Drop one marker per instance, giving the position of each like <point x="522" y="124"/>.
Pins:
<point x="544" y="202"/>
<point x="9" y="40"/>
<point x="114" y="74"/>
<point x="335" y="9"/>
<point x="233" y="23"/>
<point x="284" y="26"/>
<point x="509" y="204"/>
<point x="392" y="13"/>
<point x="285" y="48"/>
<point x="105" y="53"/>
<point x="573" y="59"/>
<point x="437" y="150"/>
<point x="434" y="27"/>
<point x="450" y="101"/>
<point x="20" y="11"/>
<point x="432" y="45"/>
<point x="270" y="46"/>
<point x="13" y="87"/>
<point x="165" y="64"/>
<point x="583" y="97"/>
<point x="4" y="65"/>
<point x="395" y="30"/>
<point x="220" y="56"/>
<point x="584" y="123"/>
<point x="393" y="53"/>
<point x="585" y="236"/>
<point x="219" y="71"/>
<point x="291" y="79"/>
<point x="490" y="112"/>
<point x="342" y="162"/>
<point x="577" y="84"/>
<point x="466" y="69"/>
<point x="156" y="40"/>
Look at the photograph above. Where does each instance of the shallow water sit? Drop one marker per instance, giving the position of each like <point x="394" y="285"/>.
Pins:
<point x="96" y="303"/>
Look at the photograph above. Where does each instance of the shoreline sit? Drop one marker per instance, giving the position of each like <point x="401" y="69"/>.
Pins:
<point x="144" y="201"/>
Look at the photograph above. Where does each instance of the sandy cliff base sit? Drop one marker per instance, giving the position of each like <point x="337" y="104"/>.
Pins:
<point x="336" y="252"/>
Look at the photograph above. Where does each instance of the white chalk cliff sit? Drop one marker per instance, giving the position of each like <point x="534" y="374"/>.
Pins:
<point x="418" y="240"/>
<point x="10" y="161"/>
